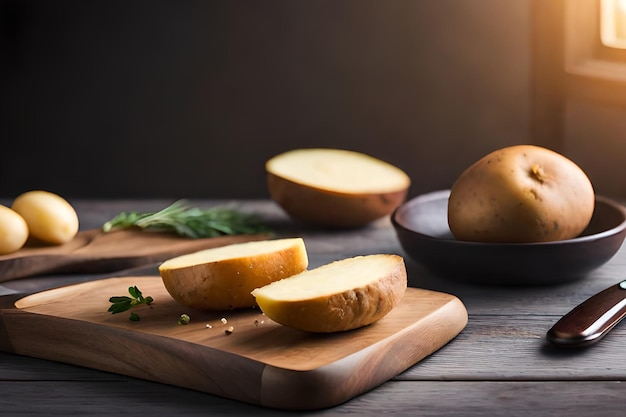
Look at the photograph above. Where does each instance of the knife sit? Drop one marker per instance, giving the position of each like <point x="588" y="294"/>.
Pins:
<point x="591" y="320"/>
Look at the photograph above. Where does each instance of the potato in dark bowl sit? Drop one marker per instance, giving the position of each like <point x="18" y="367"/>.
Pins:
<point x="421" y="226"/>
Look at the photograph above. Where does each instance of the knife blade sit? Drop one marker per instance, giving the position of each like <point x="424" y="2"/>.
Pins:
<point x="591" y="320"/>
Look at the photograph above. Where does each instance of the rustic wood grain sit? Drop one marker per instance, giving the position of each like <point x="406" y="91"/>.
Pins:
<point x="260" y="362"/>
<point x="397" y="398"/>
<point x="499" y="365"/>
<point x="96" y="251"/>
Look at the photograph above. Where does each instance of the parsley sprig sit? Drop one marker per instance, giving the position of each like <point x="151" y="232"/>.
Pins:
<point x="122" y="303"/>
<point x="190" y="222"/>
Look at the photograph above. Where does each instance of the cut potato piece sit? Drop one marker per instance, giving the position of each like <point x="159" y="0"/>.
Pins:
<point x="339" y="296"/>
<point x="222" y="278"/>
<point x="335" y="187"/>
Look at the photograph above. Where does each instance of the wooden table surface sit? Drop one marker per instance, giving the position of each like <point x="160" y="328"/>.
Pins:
<point x="500" y="364"/>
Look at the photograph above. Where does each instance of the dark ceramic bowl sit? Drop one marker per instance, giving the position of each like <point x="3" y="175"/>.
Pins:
<point x="421" y="225"/>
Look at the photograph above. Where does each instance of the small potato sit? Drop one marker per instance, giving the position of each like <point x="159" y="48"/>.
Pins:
<point x="13" y="231"/>
<point x="50" y="218"/>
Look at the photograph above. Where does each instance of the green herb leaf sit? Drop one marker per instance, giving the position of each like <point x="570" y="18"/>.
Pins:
<point x="120" y="307"/>
<point x="120" y="299"/>
<point x="123" y="303"/>
<point x="190" y="222"/>
<point x="134" y="291"/>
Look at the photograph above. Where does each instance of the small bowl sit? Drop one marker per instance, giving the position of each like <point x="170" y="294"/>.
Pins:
<point x="421" y="225"/>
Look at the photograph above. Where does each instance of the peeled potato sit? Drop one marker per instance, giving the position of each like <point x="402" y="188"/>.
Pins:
<point x="339" y="296"/>
<point x="13" y="231"/>
<point x="335" y="187"/>
<point x="222" y="278"/>
<point x="50" y="218"/>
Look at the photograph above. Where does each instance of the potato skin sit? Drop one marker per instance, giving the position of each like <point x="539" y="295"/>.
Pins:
<point x="50" y="217"/>
<point x="521" y="194"/>
<point x="227" y="284"/>
<point x="13" y="231"/>
<point x="335" y="188"/>
<point x="325" y="208"/>
<point x="342" y="311"/>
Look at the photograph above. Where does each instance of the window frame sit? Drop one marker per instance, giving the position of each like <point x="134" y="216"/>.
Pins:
<point x="585" y="54"/>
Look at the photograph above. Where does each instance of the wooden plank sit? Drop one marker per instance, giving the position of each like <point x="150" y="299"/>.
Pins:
<point x="96" y="251"/>
<point x="400" y="398"/>
<point x="549" y="300"/>
<point x="498" y="365"/>
<point x="489" y="348"/>
<point x="508" y="347"/>
<point x="261" y="362"/>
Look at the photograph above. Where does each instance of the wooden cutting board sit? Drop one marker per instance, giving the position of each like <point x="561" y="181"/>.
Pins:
<point x="260" y="362"/>
<point x="93" y="251"/>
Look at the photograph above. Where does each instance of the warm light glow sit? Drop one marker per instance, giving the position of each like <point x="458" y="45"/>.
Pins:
<point x="613" y="23"/>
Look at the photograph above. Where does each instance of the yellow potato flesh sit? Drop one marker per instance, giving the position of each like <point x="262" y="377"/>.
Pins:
<point x="335" y="187"/>
<point x="323" y="281"/>
<point x="339" y="296"/>
<point x="13" y="231"/>
<point x="50" y="218"/>
<point x="223" y="278"/>
<point x="229" y="252"/>
<point x="338" y="170"/>
<point x="521" y="194"/>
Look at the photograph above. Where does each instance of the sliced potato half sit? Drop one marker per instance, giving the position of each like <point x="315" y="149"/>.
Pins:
<point x="335" y="187"/>
<point x="222" y="278"/>
<point x="339" y="296"/>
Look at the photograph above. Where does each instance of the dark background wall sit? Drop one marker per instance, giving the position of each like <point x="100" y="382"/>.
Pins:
<point x="190" y="98"/>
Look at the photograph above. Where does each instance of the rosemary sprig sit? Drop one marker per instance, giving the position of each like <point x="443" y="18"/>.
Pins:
<point x="190" y="222"/>
<point x="123" y="303"/>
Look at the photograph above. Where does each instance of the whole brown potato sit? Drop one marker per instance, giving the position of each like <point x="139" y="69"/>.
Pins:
<point x="518" y="194"/>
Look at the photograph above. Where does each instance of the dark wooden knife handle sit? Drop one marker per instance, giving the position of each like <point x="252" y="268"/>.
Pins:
<point x="591" y="320"/>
